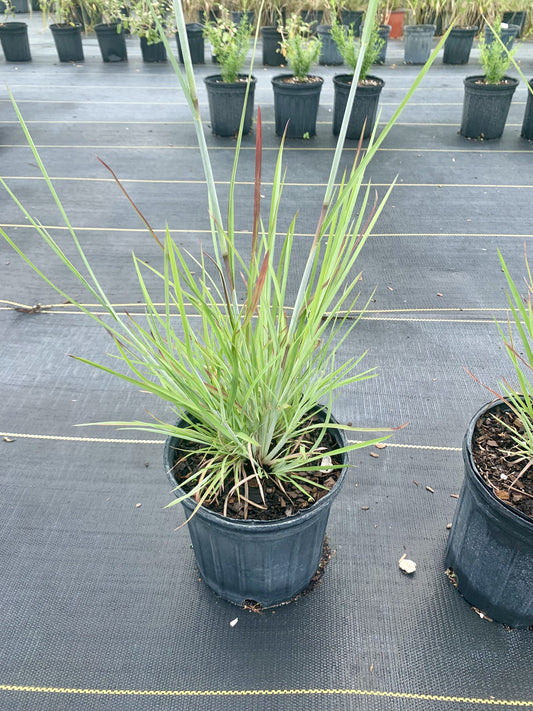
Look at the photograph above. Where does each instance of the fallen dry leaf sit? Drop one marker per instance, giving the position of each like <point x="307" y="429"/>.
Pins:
<point x="381" y="445"/>
<point x="8" y="439"/>
<point x="407" y="566"/>
<point x="374" y="454"/>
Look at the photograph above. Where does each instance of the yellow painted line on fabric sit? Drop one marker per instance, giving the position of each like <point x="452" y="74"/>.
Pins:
<point x="491" y="701"/>
<point x="9" y="305"/>
<point x="184" y="230"/>
<point x="286" y="184"/>
<point x="315" y="149"/>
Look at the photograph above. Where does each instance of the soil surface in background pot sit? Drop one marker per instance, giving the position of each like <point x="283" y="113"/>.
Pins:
<point x="279" y="504"/>
<point x="309" y="79"/>
<point x="509" y="473"/>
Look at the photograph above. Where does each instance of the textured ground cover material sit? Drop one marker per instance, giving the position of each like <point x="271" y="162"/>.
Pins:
<point x="101" y="606"/>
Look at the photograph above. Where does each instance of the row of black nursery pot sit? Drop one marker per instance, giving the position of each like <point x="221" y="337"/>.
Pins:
<point x="485" y="107"/>
<point x="111" y="41"/>
<point x="295" y="105"/>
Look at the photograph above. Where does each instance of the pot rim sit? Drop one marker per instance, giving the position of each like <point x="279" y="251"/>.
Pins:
<point x="216" y="80"/>
<point x="347" y="79"/>
<point x="506" y="510"/>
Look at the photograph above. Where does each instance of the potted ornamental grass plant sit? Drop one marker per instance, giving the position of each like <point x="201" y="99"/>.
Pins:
<point x="245" y="352"/>
<point x="488" y="97"/>
<point x="490" y="548"/>
<point x="229" y="91"/>
<point x="363" y="114"/>
<point x="14" y="37"/>
<point x="297" y="95"/>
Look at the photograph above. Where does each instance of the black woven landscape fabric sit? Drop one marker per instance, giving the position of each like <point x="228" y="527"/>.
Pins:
<point x="101" y="606"/>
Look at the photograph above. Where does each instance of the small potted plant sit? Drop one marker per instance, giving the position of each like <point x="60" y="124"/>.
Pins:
<point x="140" y="21"/>
<point x="363" y="114"/>
<point x="110" y="31"/>
<point x="194" y="35"/>
<point x="228" y="91"/>
<point x="488" y="97"/>
<point x="66" y="28"/>
<point x="14" y="38"/>
<point x="490" y="548"/>
<point x="458" y="45"/>
<point x="274" y="16"/>
<point x="393" y="14"/>
<point x="297" y="95"/>
<point x="418" y="43"/>
<point x="349" y="13"/>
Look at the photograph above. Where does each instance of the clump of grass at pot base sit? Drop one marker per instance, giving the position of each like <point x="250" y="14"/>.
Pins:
<point x="246" y="373"/>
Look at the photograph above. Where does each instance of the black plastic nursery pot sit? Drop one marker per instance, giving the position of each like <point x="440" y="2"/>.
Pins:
<point x="458" y="45"/>
<point x="353" y="17"/>
<point x="226" y="101"/>
<point x="15" y="43"/>
<point x="268" y="562"/>
<point x="195" y="38"/>
<point x="527" y="125"/>
<point x="153" y="53"/>
<point x="418" y="43"/>
<point x="67" y="39"/>
<point x="383" y="33"/>
<point x="313" y="18"/>
<point x="271" y="44"/>
<point x="515" y="18"/>
<point x="490" y="547"/>
<point x="486" y="107"/>
<point x="508" y="35"/>
<point x="296" y="105"/>
<point x="237" y="17"/>
<point x="112" y="42"/>
<point x="329" y="52"/>
<point x="364" y="107"/>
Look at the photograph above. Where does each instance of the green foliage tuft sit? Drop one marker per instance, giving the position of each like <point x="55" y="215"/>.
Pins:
<point x="349" y="46"/>
<point x="299" y="47"/>
<point x="494" y="58"/>
<point x="230" y="43"/>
